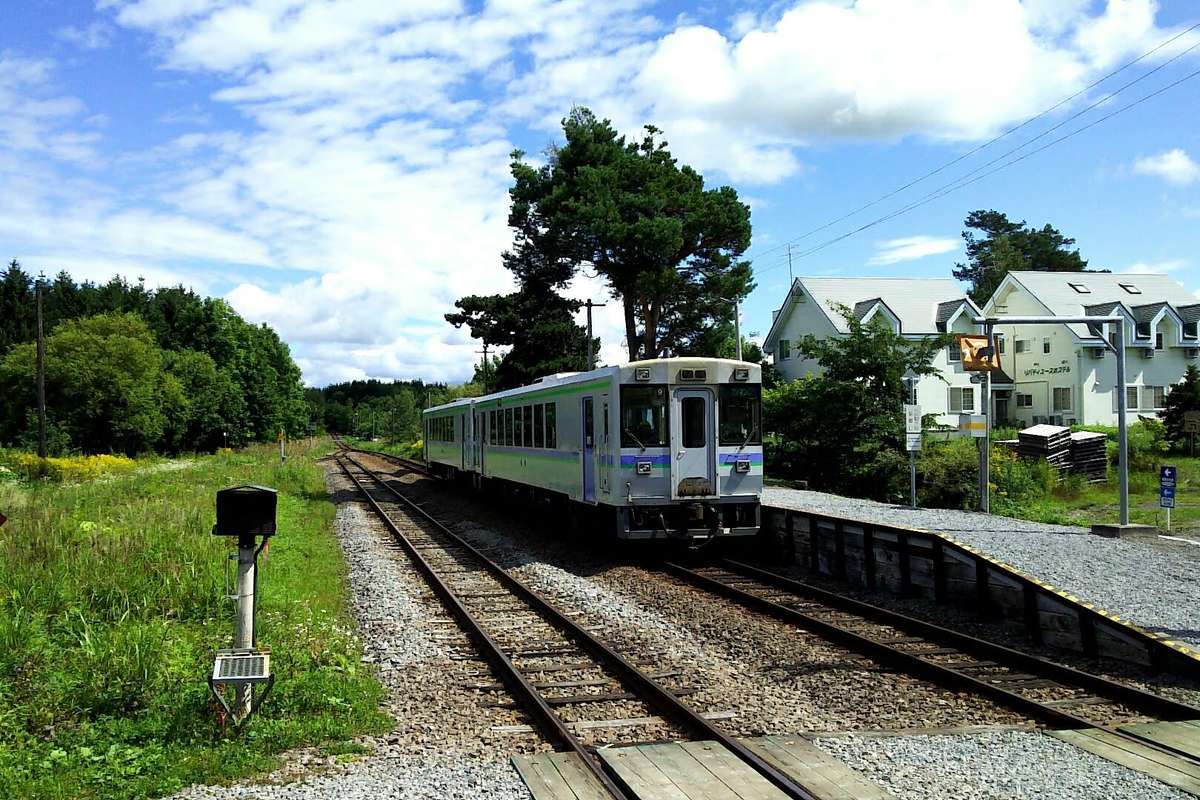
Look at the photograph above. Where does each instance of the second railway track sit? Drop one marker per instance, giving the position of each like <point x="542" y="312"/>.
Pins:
<point x="547" y="661"/>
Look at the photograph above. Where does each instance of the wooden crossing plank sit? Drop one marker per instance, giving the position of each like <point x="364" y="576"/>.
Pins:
<point x="1184" y="736"/>
<point x="812" y="767"/>
<point x="738" y="776"/>
<point x="543" y="778"/>
<point x="1166" y="768"/>
<point x="582" y="782"/>
<point x="640" y="774"/>
<point x="686" y="773"/>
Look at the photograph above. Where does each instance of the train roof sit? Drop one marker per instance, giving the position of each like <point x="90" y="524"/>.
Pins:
<point x="569" y="378"/>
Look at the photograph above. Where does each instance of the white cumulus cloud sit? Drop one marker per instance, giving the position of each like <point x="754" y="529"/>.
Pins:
<point x="1174" y="166"/>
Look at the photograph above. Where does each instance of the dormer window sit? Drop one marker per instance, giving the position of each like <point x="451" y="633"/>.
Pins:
<point x="1189" y="330"/>
<point x="1129" y="287"/>
<point x="1079" y="287"/>
<point x="1143" y="329"/>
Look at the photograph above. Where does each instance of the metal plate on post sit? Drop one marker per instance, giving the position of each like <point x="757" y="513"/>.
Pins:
<point x="235" y="667"/>
<point x="912" y="441"/>
<point x="912" y="418"/>
<point x="1191" y="422"/>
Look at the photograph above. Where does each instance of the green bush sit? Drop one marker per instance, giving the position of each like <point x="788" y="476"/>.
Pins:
<point x="948" y="474"/>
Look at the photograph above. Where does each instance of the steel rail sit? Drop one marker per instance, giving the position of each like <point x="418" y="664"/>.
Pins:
<point x="533" y="701"/>
<point x="939" y="673"/>
<point x="657" y="695"/>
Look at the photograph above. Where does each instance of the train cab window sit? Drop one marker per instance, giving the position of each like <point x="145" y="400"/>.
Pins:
<point x="551" y="425"/>
<point x="643" y="416"/>
<point x="693" y="422"/>
<point x="539" y="422"/>
<point x="739" y="409"/>
<point x="529" y="426"/>
<point x="508" y="427"/>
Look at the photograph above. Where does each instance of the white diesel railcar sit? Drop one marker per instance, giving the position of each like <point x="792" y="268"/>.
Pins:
<point x="668" y="448"/>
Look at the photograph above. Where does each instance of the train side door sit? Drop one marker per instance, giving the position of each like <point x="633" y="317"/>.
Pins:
<point x="692" y="438"/>
<point x="587" y="417"/>
<point x="606" y="451"/>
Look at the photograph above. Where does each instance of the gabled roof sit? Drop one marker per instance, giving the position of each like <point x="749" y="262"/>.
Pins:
<point x="1189" y="313"/>
<point x="1147" y="312"/>
<point x="1098" y="293"/>
<point x="917" y="303"/>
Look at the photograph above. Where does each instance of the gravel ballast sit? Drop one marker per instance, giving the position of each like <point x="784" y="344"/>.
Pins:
<point x="1151" y="585"/>
<point x="443" y="745"/>
<point x="992" y="766"/>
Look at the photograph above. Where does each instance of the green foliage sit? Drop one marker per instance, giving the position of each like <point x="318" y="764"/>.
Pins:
<point x="948" y="474"/>
<point x="1003" y="245"/>
<point x="842" y="430"/>
<point x="1184" y="397"/>
<point x="112" y="609"/>
<point x="163" y="395"/>
<point x="668" y="248"/>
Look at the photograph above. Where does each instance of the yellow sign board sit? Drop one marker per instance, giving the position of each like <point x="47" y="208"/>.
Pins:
<point x="977" y="353"/>
<point x="973" y="425"/>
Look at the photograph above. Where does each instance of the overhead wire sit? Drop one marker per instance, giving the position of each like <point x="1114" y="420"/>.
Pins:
<point x="963" y="182"/>
<point x="1006" y="133"/>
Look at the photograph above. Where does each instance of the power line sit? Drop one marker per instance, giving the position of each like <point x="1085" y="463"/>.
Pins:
<point x="960" y="183"/>
<point x="1006" y="133"/>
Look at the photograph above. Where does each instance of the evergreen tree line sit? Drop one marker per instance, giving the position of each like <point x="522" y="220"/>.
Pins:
<point x="131" y="369"/>
<point x="383" y="409"/>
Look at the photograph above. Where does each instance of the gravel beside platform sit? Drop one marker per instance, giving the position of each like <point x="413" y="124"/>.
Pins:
<point x="443" y="746"/>
<point x="1152" y="585"/>
<point x="1007" y="765"/>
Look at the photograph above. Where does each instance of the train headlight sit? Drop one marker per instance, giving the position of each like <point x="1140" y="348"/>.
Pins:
<point x="741" y="465"/>
<point x="641" y="374"/>
<point x="643" y="468"/>
<point x="741" y="374"/>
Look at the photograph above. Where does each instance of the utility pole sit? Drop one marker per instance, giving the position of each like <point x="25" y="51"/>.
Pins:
<point x="591" y="357"/>
<point x="487" y="386"/>
<point x="790" y="278"/>
<point x="737" y="327"/>
<point x="41" y="372"/>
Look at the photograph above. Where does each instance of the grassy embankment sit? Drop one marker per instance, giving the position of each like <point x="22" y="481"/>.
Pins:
<point x="402" y="449"/>
<point x="110" y="610"/>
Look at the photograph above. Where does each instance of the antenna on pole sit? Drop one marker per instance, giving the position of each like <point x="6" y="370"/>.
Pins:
<point x="41" y="371"/>
<point x="591" y="356"/>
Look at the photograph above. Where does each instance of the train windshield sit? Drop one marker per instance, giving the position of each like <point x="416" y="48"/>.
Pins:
<point x="739" y="409"/>
<point x="643" y="416"/>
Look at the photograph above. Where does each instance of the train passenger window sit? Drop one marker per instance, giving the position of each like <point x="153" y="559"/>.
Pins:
<point x="739" y="409"/>
<point x="693" y="410"/>
<point x="643" y="416"/>
<point x="529" y="426"/>
<point x="491" y="415"/>
<point x="539" y="421"/>
<point x="519" y="430"/>
<point x="509" y="427"/>
<point x="552" y="425"/>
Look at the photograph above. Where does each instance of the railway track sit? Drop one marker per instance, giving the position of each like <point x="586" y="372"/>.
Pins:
<point x="1051" y="693"/>
<point x="559" y="672"/>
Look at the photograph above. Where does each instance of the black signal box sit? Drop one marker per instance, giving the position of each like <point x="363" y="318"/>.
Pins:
<point x="246" y="512"/>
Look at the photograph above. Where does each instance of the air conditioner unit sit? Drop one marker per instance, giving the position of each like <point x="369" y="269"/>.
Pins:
<point x="1038" y="420"/>
<point x="1147" y="352"/>
<point x="1193" y="352"/>
<point x="1057" y="420"/>
<point x="1098" y="353"/>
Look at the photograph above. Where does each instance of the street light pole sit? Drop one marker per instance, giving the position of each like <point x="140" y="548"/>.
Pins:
<point x="591" y="356"/>
<point x="737" y="327"/>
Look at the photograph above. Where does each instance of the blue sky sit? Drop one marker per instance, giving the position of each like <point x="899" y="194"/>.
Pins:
<point x="339" y="169"/>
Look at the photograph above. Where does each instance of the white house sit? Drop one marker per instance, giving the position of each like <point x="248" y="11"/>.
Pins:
<point x="914" y="307"/>
<point x="1063" y="373"/>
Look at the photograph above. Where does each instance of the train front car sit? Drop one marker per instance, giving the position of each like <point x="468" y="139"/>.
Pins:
<point x="690" y="455"/>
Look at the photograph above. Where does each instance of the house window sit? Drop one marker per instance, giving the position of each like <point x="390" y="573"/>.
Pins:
<point x="962" y="399"/>
<point x="1079" y="287"/>
<point x="1131" y="397"/>
<point x="999" y="344"/>
<point x="1022" y="345"/>
<point x="1154" y="397"/>
<point x="1142" y="329"/>
<point x="1046" y="345"/>
<point x="785" y="349"/>
<point x="1024" y="400"/>
<point x="1189" y="329"/>
<point x="953" y="352"/>
<point x="1158" y="341"/>
<point x="1129" y="287"/>
<point x="1062" y="398"/>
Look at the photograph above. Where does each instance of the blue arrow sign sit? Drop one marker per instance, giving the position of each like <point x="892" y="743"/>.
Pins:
<point x="1166" y="475"/>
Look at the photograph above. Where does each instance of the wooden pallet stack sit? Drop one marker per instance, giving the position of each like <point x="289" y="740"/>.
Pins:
<point x="1089" y="455"/>
<point x="1051" y="443"/>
